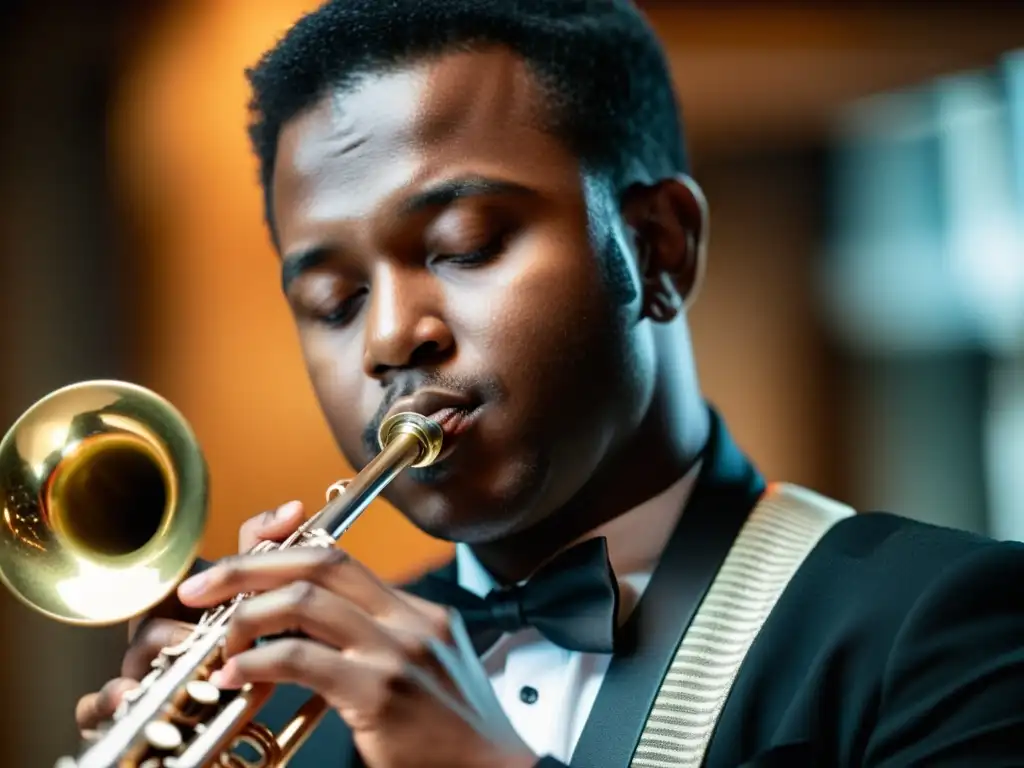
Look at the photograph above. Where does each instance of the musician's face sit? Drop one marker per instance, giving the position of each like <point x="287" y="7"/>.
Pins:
<point x="436" y="237"/>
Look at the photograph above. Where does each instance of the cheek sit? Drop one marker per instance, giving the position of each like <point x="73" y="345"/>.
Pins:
<point x="334" y="365"/>
<point x="545" y="318"/>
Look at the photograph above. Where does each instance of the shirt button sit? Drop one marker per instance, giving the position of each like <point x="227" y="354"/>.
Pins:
<point x="528" y="695"/>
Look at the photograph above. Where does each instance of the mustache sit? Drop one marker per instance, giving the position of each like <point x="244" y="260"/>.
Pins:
<point x="485" y="389"/>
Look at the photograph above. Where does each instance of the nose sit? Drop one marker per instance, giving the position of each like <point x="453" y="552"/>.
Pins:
<point x="404" y="325"/>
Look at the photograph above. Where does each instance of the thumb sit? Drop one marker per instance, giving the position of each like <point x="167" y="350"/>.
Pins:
<point x="273" y="525"/>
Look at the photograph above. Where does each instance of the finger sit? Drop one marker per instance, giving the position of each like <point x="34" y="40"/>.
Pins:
<point x="153" y="636"/>
<point x="362" y="685"/>
<point x="344" y="679"/>
<point x="303" y="608"/>
<point x="328" y="567"/>
<point x="95" y="708"/>
<point x="272" y="525"/>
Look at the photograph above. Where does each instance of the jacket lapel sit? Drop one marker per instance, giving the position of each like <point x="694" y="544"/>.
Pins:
<point x="725" y="493"/>
<point x="426" y="585"/>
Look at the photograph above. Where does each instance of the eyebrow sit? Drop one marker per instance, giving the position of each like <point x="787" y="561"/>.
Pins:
<point x="440" y="195"/>
<point x="445" y="193"/>
<point x="295" y="264"/>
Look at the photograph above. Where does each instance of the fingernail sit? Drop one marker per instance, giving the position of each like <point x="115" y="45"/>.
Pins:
<point x="287" y="510"/>
<point x="192" y="586"/>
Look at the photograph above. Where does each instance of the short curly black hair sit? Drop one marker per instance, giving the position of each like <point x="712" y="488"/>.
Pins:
<point x="603" y="72"/>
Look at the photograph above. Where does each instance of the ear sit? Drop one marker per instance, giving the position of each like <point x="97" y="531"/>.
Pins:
<point x="669" y="221"/>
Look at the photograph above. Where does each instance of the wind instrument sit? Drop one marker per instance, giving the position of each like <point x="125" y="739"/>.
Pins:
<point x="104" y="490"/>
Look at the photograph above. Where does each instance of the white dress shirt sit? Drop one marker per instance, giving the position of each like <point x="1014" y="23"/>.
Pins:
<point x="546" y="691"/>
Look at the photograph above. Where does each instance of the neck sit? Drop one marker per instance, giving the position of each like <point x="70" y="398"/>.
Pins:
<point x="667" y="444"/>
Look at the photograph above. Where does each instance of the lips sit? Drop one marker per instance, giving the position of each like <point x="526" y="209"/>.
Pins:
<point x="455" y="412"/>
<point x="455" y="421"/>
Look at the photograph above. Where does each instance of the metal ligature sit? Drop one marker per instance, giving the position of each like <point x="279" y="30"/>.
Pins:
<point x="104" y="490"/>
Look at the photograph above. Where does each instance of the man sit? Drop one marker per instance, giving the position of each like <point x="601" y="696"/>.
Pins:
<point x="483" y="214"/>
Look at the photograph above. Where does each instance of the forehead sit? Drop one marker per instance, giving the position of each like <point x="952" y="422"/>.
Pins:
<point x="360" y="149"/>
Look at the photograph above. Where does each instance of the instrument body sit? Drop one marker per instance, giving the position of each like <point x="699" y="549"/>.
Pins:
<point x="98" y="455"/>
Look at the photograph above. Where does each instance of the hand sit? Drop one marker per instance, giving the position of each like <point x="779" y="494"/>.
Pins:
<point x="363" y="647"/>
<point x="171" y="622"/>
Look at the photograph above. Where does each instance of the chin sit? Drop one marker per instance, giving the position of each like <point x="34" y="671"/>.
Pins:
<point x="432" y="476"/>
<point x="474" y="502"/>
<point x="458" y="529"/>
<point x="467" y="519"/>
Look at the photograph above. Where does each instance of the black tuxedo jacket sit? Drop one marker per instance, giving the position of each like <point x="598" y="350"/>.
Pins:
<point x="895" y="644"/>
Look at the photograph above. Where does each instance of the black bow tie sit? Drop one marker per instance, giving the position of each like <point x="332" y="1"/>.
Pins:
<point x="573" y="601"/>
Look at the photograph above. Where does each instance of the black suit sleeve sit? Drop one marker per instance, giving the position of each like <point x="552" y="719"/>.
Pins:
<point x="953" y="688"/>
<point x="550" y="762"/>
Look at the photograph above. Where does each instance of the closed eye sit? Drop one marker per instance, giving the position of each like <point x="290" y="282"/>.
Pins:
<point x="477" y="257"/>
<point x="341" y="313"/>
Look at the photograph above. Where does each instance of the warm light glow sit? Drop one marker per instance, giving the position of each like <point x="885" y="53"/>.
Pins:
<point x="36" y="446"/>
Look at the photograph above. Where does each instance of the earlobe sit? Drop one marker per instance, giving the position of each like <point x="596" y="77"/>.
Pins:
<point x="662" y="302"/>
